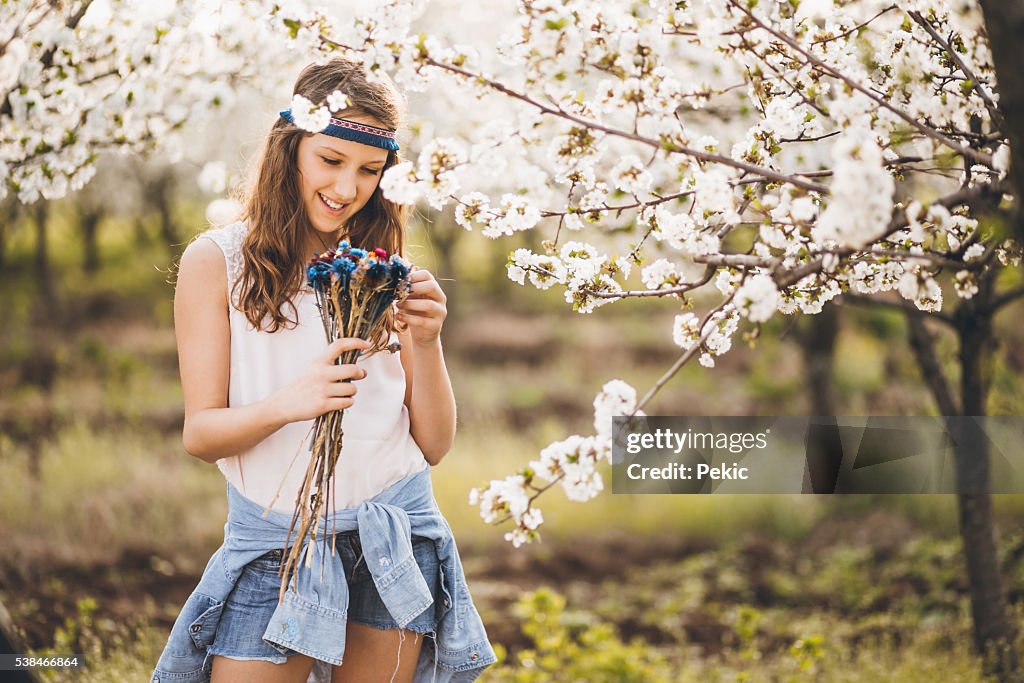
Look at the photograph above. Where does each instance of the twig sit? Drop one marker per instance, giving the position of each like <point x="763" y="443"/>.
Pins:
<point x="687" y="355"/>
<point x="822" y="41"/>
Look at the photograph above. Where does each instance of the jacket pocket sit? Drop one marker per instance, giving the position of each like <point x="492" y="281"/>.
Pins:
<point x="184" y="657"/>
<point x="204" y="627"/>
<point x="476" y="655"/>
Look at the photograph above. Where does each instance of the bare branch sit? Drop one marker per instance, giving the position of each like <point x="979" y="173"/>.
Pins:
<point x="928" y="363"/>
<point x="618" y="208"/>
<point x="827" y="173"/>
<point x="737" y="260"/>
<point x="1005" y="299"/>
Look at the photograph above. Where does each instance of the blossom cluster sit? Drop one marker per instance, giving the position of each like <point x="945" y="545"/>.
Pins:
<point x="77" y="79"/>
<point x="572" y="463"/>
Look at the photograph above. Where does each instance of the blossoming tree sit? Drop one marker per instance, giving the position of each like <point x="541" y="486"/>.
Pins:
<point x="84" y="76"/>
<point x="777" y="155"/>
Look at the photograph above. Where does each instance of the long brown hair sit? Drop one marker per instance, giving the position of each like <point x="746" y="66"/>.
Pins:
<point x="273" y="252"/>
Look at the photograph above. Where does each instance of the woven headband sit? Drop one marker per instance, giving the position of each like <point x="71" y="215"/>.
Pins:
<point x="356" y="132"/>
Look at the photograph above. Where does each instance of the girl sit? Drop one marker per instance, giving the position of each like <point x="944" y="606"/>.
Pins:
<point x="392" y="604"/>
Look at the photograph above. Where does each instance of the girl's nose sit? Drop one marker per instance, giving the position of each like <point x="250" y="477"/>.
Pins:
<point x="345" y="188"/>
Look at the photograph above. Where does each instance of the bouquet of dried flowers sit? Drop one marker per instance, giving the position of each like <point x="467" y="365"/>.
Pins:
<point x="354" y="288"/>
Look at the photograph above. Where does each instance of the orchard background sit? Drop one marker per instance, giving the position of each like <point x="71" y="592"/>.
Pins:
<point x="810" y="204"/>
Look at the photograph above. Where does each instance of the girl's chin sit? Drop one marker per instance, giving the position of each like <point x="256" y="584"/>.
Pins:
<point x="326" y="226"/>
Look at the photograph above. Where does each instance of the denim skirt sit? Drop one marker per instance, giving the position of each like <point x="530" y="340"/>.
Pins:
<point x="253" y="600"/>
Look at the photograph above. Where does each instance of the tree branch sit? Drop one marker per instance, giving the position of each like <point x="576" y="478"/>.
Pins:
<point x="968" y="152"/>
<point x="561" y="113"/>
<point x="1004" y="299"/>
<point x="685" y="358"/>
<point x="47" y="58"/>
<point x="964" y="195"/>
<point x="737" y="260"/>
<point x="901" y="304"/>
<point x="923" y="345"/>
<point x="853" y="30"/>
<point x="670" y="147"/>
<point x="993" y="110"/>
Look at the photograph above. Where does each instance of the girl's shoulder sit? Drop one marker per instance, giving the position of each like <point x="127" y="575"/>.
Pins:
<point x="229" y="238"/>
<point x="231" y="235"/>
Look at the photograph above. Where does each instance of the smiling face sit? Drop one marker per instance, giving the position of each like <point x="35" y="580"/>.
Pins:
<point x="337" y="178"/>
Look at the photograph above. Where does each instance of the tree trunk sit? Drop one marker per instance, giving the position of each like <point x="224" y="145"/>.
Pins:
<point x="90" y="221"/>
<point x="1004" y="21"/>
<point x="994" y="633"/>
<point x="141" y="236"/>
<point x="159" y="194"/>
<point x="10" y="215"/>
<point x="817" y="340"/>
<point x="818" y="344"/>
<point x="43" y="272"/>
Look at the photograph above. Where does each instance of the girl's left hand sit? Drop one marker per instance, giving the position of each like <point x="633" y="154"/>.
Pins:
<point x="424" y="309"/>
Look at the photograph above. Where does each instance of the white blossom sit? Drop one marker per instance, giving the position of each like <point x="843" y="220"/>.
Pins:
<point x="860" y="204"/>
<point x="974" y="252"/>
<point x="758" y="297"/>
<point x="401" y="185"/>
<point x="337" y="101"/>
<point x="659" y="274"/>
<point x="309" y="116"/>
<point x="629" y="175"/>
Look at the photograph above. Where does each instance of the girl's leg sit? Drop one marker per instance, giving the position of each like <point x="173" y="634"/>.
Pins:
<point x="295" y="670"/>
<point x="372" y="655"/>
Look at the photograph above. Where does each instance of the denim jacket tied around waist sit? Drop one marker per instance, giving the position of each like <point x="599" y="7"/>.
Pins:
<point x="312" y="617"/>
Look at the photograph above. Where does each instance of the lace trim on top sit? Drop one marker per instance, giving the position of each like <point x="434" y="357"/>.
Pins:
<point x="229" y="238"/>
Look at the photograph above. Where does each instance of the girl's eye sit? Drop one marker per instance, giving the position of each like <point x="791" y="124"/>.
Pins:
<point x="372" y="171"/>
<point x="330" y="162"/>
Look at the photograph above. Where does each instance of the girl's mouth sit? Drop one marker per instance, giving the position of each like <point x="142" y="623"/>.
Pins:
<point x="332" y="207"/>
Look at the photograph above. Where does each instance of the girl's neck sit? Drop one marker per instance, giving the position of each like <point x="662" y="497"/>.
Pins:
<point x="318" y="242"/>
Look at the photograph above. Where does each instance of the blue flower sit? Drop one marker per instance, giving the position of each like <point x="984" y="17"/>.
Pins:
<point x="318" y="275"/>
<point x="342" y="267"/>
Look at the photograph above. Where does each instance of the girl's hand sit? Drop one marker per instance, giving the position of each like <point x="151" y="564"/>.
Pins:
<point x="424" y="309"/>
<point x="322" y="388"/>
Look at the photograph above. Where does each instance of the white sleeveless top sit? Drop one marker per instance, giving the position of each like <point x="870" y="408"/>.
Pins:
<point x="377" y="448"/>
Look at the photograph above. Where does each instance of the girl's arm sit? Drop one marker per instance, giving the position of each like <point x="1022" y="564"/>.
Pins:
<point x="428" y="390"/>
<point x="213" y="430"/>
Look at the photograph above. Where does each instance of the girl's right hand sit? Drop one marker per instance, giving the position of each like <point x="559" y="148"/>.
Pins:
<point x="322" y="388"/>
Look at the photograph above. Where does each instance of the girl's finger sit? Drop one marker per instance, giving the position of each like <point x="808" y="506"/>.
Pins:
<point x="434" y="293"/>
<point x="418" y="305"/>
